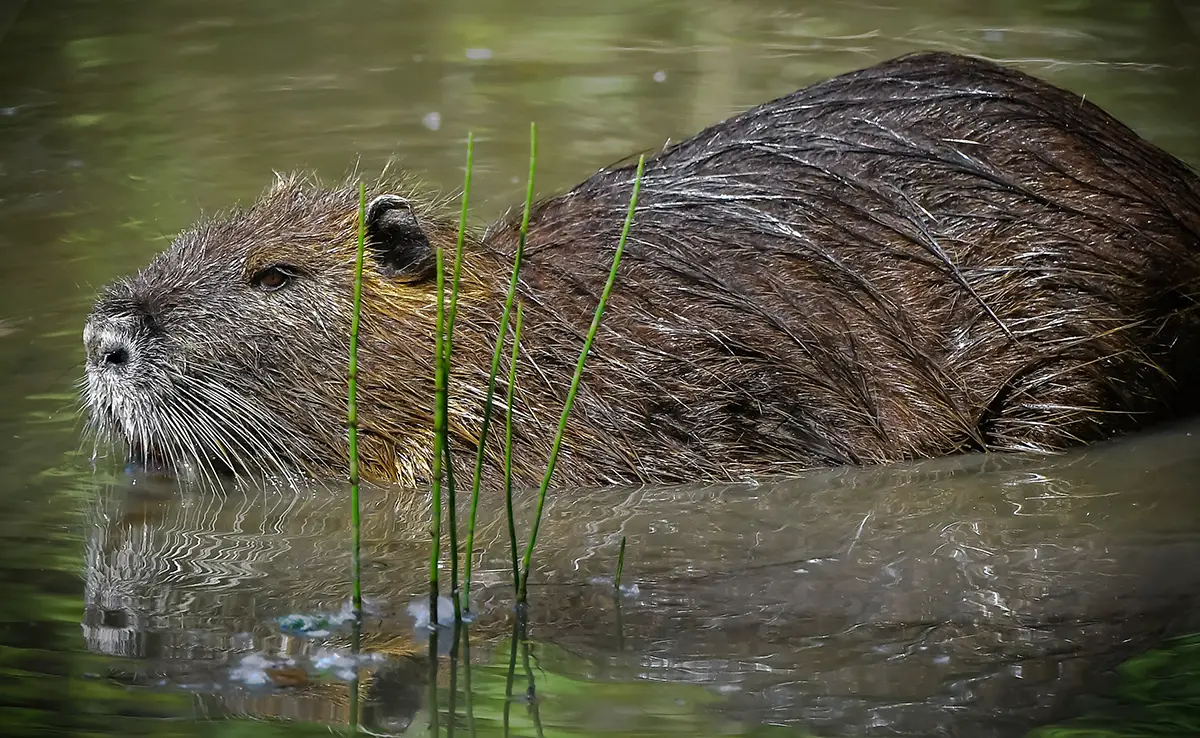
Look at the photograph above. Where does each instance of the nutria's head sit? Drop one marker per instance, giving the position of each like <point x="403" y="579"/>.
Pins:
<point x="230" y="350"/>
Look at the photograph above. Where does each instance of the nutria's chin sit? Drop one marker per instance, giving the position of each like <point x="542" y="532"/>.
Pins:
<point x="931" y="255"/>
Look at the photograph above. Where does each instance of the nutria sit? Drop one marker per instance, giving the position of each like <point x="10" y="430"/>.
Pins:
<point x="932" y="255"/>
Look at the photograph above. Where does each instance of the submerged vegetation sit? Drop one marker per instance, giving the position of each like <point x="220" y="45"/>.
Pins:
<point x="1157" y="694"/>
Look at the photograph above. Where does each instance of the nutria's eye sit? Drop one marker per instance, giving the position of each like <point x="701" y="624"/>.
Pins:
<point x="273" y="278"/>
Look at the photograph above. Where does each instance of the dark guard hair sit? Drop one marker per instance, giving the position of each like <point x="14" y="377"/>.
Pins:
<point x="932" y="255"/>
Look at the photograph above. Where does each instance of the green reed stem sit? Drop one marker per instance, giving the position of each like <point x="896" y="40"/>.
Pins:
<point x="469" y="695"/>
<point x="352" y="440"/>
<point x="505" y="317"/>
<point x="444" y="358"/>
<point x="535" y="710"/>
<point x="439" y="432"/>
<point x="434" y="717"/>
<point x="453" y="525"/>
<point x="458" y="247"/>
<point x="570" y="401"/>
<point x="518" y="634"/>
<point x="355" y="650"/>
<point x="508" y="446"/>
<point x="452" y="707"/>
<point x="620" y="567"/>
<point x="352" y="409"/>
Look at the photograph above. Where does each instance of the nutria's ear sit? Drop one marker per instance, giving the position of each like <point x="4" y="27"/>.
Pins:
<point x="395" y="238"/>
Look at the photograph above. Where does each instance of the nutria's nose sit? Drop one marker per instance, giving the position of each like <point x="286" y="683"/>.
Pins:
<point x="109" y="343"/>
<point x="115" y="355"/>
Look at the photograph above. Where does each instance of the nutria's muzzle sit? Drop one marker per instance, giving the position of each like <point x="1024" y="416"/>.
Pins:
<point x="119" y="387"/>
<point x="117" y="339"/>
<point x="153" y="383"/>
<point x="110" y="345"/>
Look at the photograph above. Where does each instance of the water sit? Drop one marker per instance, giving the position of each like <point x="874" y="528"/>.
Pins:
<point x="973" y="596"/>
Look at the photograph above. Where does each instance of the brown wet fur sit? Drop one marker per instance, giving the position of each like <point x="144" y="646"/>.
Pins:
<point x="929" y="256"/>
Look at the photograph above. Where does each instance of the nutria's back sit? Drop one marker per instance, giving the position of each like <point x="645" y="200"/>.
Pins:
<point x="931" y="255"/>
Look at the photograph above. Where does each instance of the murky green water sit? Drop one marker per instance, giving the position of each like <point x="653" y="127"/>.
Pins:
<point x="969" y="596"/>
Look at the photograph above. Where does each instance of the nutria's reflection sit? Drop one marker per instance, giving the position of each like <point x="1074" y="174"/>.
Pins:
<point x="965" y="596"/>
